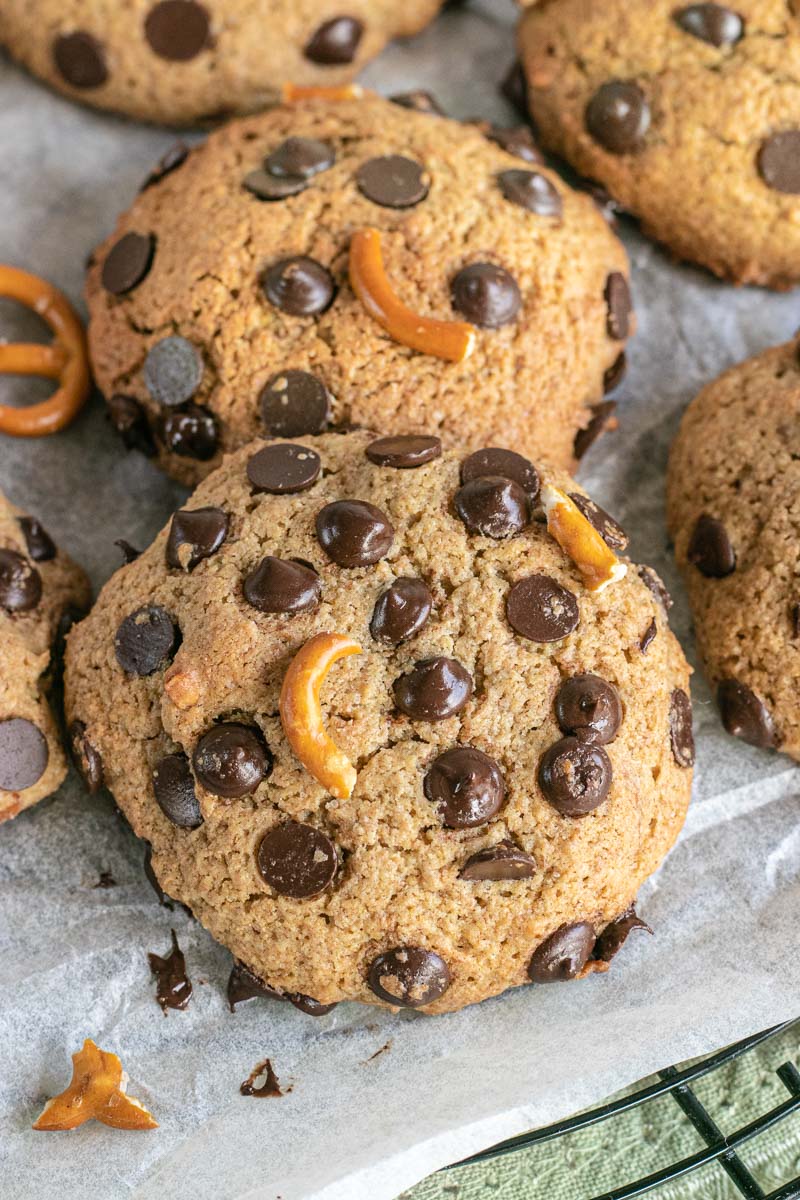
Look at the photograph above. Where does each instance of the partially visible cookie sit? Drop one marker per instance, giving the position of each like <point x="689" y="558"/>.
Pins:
<point x="689" y="114"/>
<point x="181" y="62"/>
<point x="41" y="592"/>
<point x="734" y="513"/>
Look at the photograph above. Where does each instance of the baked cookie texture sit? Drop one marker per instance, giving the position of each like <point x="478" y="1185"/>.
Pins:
<point x="522" y="746"/>
<point x="41" y="591"/>
<point x="734" y="513"/>
<point x="688" y="114"/>
<point x="218" y="315"/>
<point x="182" y="62"/>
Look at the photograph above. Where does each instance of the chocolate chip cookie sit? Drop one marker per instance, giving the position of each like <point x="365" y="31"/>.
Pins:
<point x="689" y="114"/>
<point x="181" y="62"/>
<point x="329" y="265"/>
<point x="734" y="513"/>
<point x="392" y="730"/>
<point x="41" y="592"/>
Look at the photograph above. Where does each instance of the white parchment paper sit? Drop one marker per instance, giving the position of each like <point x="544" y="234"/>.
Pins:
<point x="73" y="959"/>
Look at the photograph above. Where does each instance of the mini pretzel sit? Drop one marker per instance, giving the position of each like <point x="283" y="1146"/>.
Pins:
<point x="451" y="340"/>
<point x="292" y="92"/>
<point x="301" y="714"/>
<point x="578" y="538"/>
<point x="96" y="1092"/>
<point x="65" y="359"/>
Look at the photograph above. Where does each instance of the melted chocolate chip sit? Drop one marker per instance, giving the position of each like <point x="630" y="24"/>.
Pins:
<point x="20" y="583"/>
<point x="294" y="403"/>
<point x="612" y="378"/>
<point x="264" y="186"/>
<point x="300" y="158"/>
<point x="173" y="988"/>
<point x="195" y="534"/>
<point x="244" y="984"/>
<point x="590" y="708"/>
<point x="487" y="295"/>
<point x="779" y="161"/>
<point x="231" y="760"/>
<point x="745" y="715"/>
<point x="173" y="371"/>
<point x="466" y="786"/>
<point x="681" y="735"/>
<point x="283" y="468"/>
<point x="539" y="608"/>
<point x="80" y="60"/>
<point x="269" y="1085"/>
<point x="151" y="877"/>
<point x="299" y="286"/>
<point x="515" y="88"/>
<point x="503" y="861"/>
<point x="128" y="262"/>
<point x="563" y="955"/>
<point x="618" y="116"/>
<point x="354" y="533"/>
<point x="433" y="690"/>
<point x="619" y="306"/>
<point x="130" y="421"/>
<point x="710" y="548"/>
<point x="517" y="140"/>
<point x="297" y="860"/>
<point x="610" y="531"/>
<point x="616" y="933"/>
<point x="655" y="585"/>
<point x="409" y="976"/>
<point x="177" y="30"/>
<point x="711" y="23"/>
<point x="23" y="754"/>
<point x="146" y="640"/>
<point x="392" y="181"/>
<point x="493" y="506"/>
<point x="86" y="758"/>
<point x="335" y="42"/>
<point x="418" y="101"/>
<point x="401" y="611"/>
<point x="648" y="637"/>
<point x="505" y="463"/>
<point x="308" y="1005"/>
<point x="404" y="452"/>
<point x="41" y="547"/>
<point x="173" y="787"/>
<point x="191" y="433"/>
<point x="279" y="585"/>
<point x="601" y="418"/>
<point x="531" y="190"/>
<point x="575" y="776"/>
<point x="175" y="157"/>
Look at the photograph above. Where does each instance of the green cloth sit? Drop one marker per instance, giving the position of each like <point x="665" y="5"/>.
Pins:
<point x="625" y="1148"/>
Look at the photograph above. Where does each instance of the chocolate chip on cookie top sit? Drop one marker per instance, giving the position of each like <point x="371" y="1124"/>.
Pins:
<point x="712" y="23"/>
<point x="80" y="60"/>
<point x="294" y="403"/>
<point x="393" y="181"/>
<point x="231" y="760"/>
<point x="41" y="546"/>
<point x="20" y="583"/>
<point x="283" y="468"/>
<point x="23" y="754"/>
<point x="409" y="977"/>
<point x="173" y="370"/>
<point x="335" y="41"/>
<point x="745" y="715"/>
<point x="618" y="116"/>
<point x="146" y="640"/>
<point x="173" y="787"/>
<point x="128" y="263"/>
<point x="177" y="30"/>
<point x="282" y="586"/>
<point x="195" y="534"/>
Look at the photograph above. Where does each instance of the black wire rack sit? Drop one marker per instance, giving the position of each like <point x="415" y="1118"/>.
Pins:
<point x="720" y="1148"/>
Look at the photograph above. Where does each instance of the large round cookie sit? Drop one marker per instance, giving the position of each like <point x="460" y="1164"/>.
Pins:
<point x="219" y="315"/>
<point x="734" y="513"/>
<point x="41" y="591"/>
<point x="521" y="746"/>
<point x="688" y="114"/>
<point x="181" y="61"/>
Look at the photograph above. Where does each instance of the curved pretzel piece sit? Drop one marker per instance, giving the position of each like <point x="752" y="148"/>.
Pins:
<point x="292" y="92"/>
<point x="65" y="359"/>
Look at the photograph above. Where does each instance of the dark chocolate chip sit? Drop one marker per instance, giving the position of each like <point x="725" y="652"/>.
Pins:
<point x="191" y="433"/>
<point x="401" y="611"/>
<point x="128" y="262"/>
<point x="80" y="60"/>
<point x="681" y="735"/>
<point x="146" y="640"/>
<point x="466" y="786"/>
<point x="175" y="157"/>
<point x="434" y="689"/>
<point x="409" y="976"/>
<point x="647" y="638"/>
<point x="308" y="1005"/>
<point x="710" y="548"/>
<point x="86" y="758"/>
<point x="590" y="708"/>
<point x="294" y="403"/>
<point x="279" y="585"/>
<point x="493" y="506"/>
<point x="505" y="463"/>
<point x="177" y="30"/>
<point x="299" y="286"/>
<point x="20" y="583"/>
<point x="130" y="421"/>
<point x="619" y="306"/>
<point x="503" y="861"/>
<point x="531" y="190"/>
<point x="612" y="378"/>
<point x="300" y="158"/>
<point x="297" y="860"/>
<point x="745" y="715"/>
<point x="602" y="416"/>
<point x="244" y="984"/>
<point x="404" y="451"/>
<point x="418" y="101"/>
<point x="283" y="468"/>
<point x="23" y="754"/>
<point x="711" y="23"/>
<point x="150" y="875"/>
<point x="195" y="534"/>
<point x="575" y="776"/>
<point x="515" y="87"/>
<point x="354" y="533"/>
<point x="615" y="935"/>
<point x="794" y="617"/>
<point x="655" y="585"/>
<point x="563" y="955"/>
<point x="779" y="161"/>
<point x="173" y="787"/>
<point x="335" y="42"/>
<point x="173" y="370"/>
<point x="618" y="116"/>
<point x="517" y="140"/>
<point x="273" y="187"/>
<point x="392" y="181"/>
<point x="610" y="531"/>
<point x="41" y="547"/>
<point x="487" y="295"/>
<point x="541" y="609"/>
<point x="231" y="760"/>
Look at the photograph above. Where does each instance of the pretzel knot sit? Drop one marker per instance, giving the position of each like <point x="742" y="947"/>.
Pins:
<point x="65" y="359"/>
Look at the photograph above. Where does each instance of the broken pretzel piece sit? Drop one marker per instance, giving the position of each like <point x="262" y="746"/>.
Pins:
<point x="292" y="92"/>
<point x="450" y="340"/>
<point x="578" y="538"/>
<point x="301" y="714"/>
<point x="96" y="1092"/>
